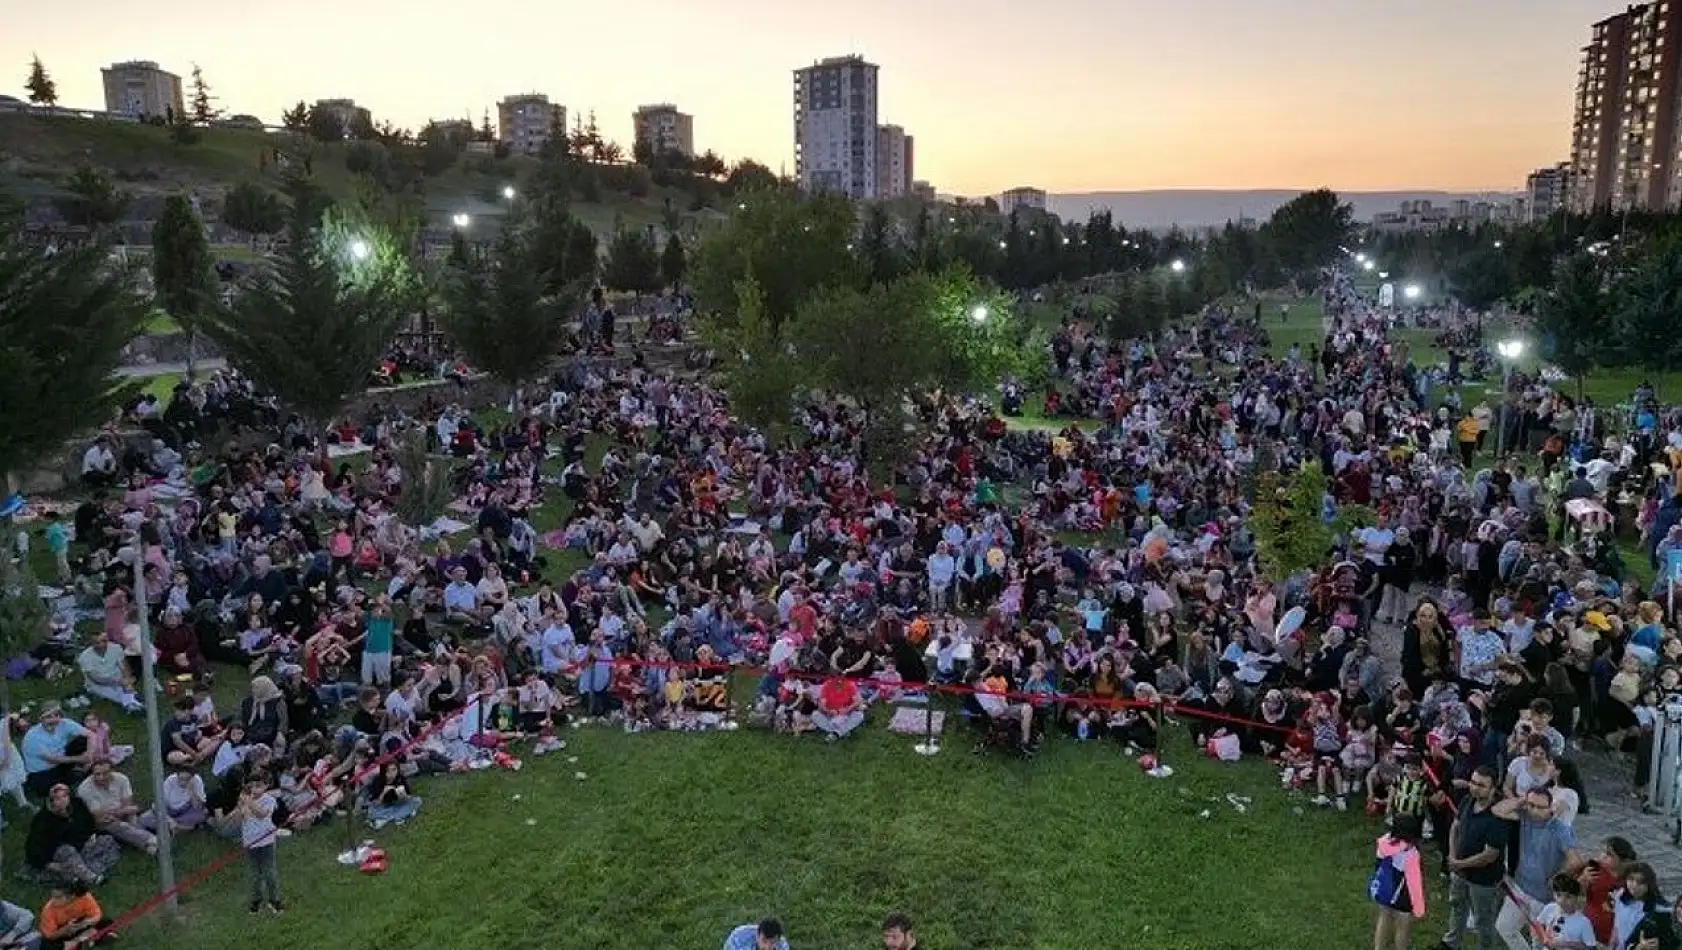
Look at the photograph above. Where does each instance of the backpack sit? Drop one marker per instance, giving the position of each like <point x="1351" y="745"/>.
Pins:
<point x="1388" y="887"/>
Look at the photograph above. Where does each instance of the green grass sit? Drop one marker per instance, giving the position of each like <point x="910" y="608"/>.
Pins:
<point x="673" y="838"/>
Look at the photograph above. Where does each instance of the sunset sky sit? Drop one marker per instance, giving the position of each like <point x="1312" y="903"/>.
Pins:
<point x="1067" y="95"/>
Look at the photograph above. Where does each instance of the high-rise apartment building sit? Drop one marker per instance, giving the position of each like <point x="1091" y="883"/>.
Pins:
<point x="526" y="122"/>
<point x="665" y="129"/>
<point x="835" y="126"/>
<point x="1547" y="190"/>
<point x="141" y="89"/>
<point x="893" y="162"/>
<point x="1031" y="199"/>
<point x="1624" y="138"/>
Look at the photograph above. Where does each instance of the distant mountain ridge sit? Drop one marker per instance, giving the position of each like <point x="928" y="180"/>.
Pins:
<point x="1197" y="208"/>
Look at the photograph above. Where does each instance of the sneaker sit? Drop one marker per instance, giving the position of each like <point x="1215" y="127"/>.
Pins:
<point x="1342" y="804"/>
<point x="1321" y="800"/>
<point x="379" y="823"/>
<point x="256" y="907"/>
<point x="277" y="907"/>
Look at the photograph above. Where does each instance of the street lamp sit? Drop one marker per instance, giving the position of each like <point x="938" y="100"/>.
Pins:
<point x="1178" y="266"/>
<point x="1368" y="265"/>
<point x="1411" y="291"/>
<point x="461" y="219"/>
<point x="1002" y="245"/>
<point x="1509" y="350"/>
<point x="1383" y="275"/>
<point x="359" y="249"/>
<point x="508" y="192"/>
<point x="979" y="313"/>
<point x="1361" y="258"/>
<point x="1497" y="245"/>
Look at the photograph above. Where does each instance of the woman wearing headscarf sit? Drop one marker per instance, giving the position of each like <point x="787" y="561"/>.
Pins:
<point x="263" y="714"/>
<point x="1425" y="647"/>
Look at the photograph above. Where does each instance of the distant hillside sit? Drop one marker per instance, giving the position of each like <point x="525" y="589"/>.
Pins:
<point x="38" y="153"/>
<point x="1209" y="208"/>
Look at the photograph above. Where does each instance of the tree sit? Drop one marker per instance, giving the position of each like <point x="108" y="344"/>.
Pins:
<point x="317" y="320"/>
<point x="204" y="104"/>
<point x="672" y="262"/>
<point x="324" y="124"/>
<point x="560" y="246"/>
<point x="880" y="252"/>
<point x="93" y="201"/>
<point x="64" y="321"/>
<point x="1481" y="279"/>
<point x="42" y="90"/>
<point x="253" y="209"/>
<point x="1574" y="320"/>
<point x="632" y="262"/>
<point x="501" y="310"/>
<point x="790" y="247"/>
<point x="428" y="485"/>
<point x="297" y="118"/>
<point x="25" y="619"/>
<point x="1291" y="534"/>
<point x="1308" y="230"/>
<point x="750" y="176"/>
<point x="183" y="272"/>
<point x="1649" y="310"/>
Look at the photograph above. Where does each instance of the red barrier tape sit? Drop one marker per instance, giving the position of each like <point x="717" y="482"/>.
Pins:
<point x="216" y="865"/>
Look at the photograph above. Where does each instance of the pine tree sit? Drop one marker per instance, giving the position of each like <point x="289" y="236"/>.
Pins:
<point x="501" y="311"/>
<point x="64" y="320"/>
<point x="183" y="271"/>
<point x="204" y="107"/>
<point x="632" y="263"/>
<point x="297" y="118"/>
<point x="42" y="90"/>
<point x="486" y="132"/>
<point x="673" y="262"/>
<point x="314" y="325"/>
<point x="92" y="200"/>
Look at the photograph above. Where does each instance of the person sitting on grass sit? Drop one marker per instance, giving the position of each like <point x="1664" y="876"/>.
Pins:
<point x="389" y="798"/>
<point x="109" y="796"/>
<point x="105" y="675"/>
<point x="65" y="845"/>
<point x="71" y="919"/>
<point x="183" y="802"/>
<point x="840" y="708"/>
<point x="765" y="935"/>
<point x="54" y="750"/>
<point x="185" y="743"/>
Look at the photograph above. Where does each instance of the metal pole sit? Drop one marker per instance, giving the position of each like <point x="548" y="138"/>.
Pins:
<point x="154" y="729"/>
<point x="1501" y="426"/>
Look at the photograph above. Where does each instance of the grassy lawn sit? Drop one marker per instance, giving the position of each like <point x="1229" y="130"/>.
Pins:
<point x="672" y="838"/>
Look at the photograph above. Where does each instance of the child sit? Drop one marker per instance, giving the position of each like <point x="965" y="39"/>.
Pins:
<point x="1357" y="756"/>
<point x="1562" y="925"/>
<point x="1297" y="757"/>
<point x="1409" y="795"/>
<point x="1328" y="745"/>
<point x="1398" y="884"/>
<point x="257" y="833"/>
<point x="58" y="542"/>
<point x="99" y="741"/>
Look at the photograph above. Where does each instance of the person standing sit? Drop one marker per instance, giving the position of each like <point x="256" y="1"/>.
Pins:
<point x="765" y="935"/>
<point x="258" y="833"/>
<point x="1476" y="842"/>
<point x="1546" y="847"/>
<point x="1398" y="884"/>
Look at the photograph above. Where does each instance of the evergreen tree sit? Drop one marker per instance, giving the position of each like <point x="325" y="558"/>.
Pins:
<point x="673" y="262"/>
<point x="183" y="272"/>
<point x="504" y="310"/>
<point x="486" y="132"/>
<point x="1574" y="321"/>
<point x="314" y="325"/>
<point x="64" y="320"/>
<point x="297" y="118"/>
<point x="632" y="263"/>
<point x="92" y="200"/>
<point x="253" y="209"/>
<point x="204" y="104"/>
<point x="42" y="90"/>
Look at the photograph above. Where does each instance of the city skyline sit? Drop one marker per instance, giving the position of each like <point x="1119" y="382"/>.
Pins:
<point x="1085" y="96"/>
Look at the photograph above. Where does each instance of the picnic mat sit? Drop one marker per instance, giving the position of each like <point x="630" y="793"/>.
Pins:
<point x="916" y="722"/>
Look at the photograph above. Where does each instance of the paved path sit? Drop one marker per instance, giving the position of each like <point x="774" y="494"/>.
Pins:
<point x="1608" y="780"/>
<point x="146" y="370"/>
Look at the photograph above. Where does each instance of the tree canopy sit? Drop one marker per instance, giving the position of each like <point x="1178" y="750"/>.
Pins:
<point x="500" y="310"/>
<point x="313" y="325"/>
<point x="791" y="247"/>
<point x="1308" y="230"/>
<point x="64" y="320"/>
<point x="632" y="262"/>
<point x="42" y="90"/>
<point x="183" y="271"/>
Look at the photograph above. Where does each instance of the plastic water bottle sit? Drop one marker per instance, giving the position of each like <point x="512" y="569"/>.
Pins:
<point x="1083" y="730"/>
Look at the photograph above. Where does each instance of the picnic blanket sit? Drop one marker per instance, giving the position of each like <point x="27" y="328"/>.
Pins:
<point x="916" y="722"/>
<point x="340" y="450"/>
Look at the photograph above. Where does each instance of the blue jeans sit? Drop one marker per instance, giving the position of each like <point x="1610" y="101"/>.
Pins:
<point x="397" y="811"/>
<point x="333" y="694"/>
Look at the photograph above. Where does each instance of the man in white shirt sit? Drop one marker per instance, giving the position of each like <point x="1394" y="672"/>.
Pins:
<point x="555" y="650"/>
<point x="110" y="798"/>
<point x="461" y="600"/>
<point x="942" y="567"/>
<point x="99" y="465"/>
<point x="104" y="674"/>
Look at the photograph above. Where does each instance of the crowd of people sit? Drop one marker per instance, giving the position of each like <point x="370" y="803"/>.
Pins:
<point x="380" y="654"/>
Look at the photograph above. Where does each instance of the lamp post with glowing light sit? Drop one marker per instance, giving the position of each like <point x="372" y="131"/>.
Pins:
<point x="1177" y="266"/>
<point x="1509" y="350"/>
